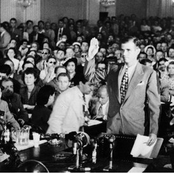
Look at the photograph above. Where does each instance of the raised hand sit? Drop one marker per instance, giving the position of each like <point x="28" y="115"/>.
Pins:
<point x="93" y="48"/>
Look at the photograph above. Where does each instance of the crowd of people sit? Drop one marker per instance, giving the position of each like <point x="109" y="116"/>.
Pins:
<point x="54" y="74"/>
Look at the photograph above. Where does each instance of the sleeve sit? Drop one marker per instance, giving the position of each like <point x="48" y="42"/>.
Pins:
<point x="10" y="118"/>
<point x="23" y="112"/>
<point x="59" y="113"/>
<point x="89" y="69"/>
<point x="153" y="102"/>
<point x="6" y="41"/>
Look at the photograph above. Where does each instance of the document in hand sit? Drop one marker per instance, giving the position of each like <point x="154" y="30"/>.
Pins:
<point x="140" y="148"/>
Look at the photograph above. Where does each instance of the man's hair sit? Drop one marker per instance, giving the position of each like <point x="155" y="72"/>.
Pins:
<point x="82" y="79"/>
<point x="103" y="87"/>
<point x="5" y="69"/>
<point x="13" y="19"/>
<point x="3" y="26"/>
<point x="144" y="61"/>
<point x="135" y="40"/>
<point x="57" y="67"/>
<point x="44" y="94"/>
<point x="142" y="53"/>
<point x="63" y="75"/>
<point x="27" y="62"/>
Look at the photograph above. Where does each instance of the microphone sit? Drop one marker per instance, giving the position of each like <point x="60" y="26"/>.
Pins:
<point x="71" y="136"/>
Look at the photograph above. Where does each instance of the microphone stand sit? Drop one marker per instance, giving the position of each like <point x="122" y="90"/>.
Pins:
<point x="111" y="147"/>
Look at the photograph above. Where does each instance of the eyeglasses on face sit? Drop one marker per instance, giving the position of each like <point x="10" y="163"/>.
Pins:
<point x="44" y="53"/>
<point x="52" y="62"/>
<point x="83" y="55"/>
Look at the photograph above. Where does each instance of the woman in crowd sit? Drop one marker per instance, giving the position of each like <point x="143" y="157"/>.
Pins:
<point x="71" y="66"/>
<point x="29" y="92"/>
<point x="11" y="54"/>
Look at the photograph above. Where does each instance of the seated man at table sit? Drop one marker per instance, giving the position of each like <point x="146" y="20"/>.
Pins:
<point x="99" y="109"/>
<point x="68" y="110"/>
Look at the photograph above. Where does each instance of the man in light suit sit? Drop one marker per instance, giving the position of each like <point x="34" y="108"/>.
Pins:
<point x="68" y="110"/>
<point x="126" y="115"/>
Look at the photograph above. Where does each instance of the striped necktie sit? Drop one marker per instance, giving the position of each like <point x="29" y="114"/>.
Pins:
<point x="124" y="85"/>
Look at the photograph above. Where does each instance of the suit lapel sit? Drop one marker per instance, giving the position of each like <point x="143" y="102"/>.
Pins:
<point x="136" y="78"/>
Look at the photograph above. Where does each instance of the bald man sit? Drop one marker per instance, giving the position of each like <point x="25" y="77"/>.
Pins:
<point x="99" y="108"/>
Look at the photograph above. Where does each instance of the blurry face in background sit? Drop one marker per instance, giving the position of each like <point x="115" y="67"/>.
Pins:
<point x="34" y="46"/>
<point x="142" y="46"/>
<point x="59" y="54"/>
<point x="171" y="53"/>
<point x="46" y="45"/>
<point x="86" y="88"/>
<point x="8" y="88"/>
<point x="103" y="51"/>
<point x="149" y="51"/>
<point x="84" y="47"/>
<point x="45" y="54"/>
<point x="142" y="56"/>
<point x="71" y="67"/>
<point x="69" y="53"/>
<point x="79" y="39"/>
<point x="159" y="55"/>
<point x="118" y="54"/>
<point x="83" y="57"/>
<point x="103" y="96"/>
<point x="162" y="65"/>
<point x="13" y="43"/>
<point x="51" y="62"/>
<point x="99" y="57"/>
<point x="170" y="69"/>
<point x="13" y="23"/>
<point x="2" y="75"/>
<point x="76" y="48"/>
<point x="158" y="46"/>
<point x="11" y="53"/>
<point x="164" y="47"/>
<point x="29" y="79"/>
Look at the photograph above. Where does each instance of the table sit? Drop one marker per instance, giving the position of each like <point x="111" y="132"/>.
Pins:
<point x="60" y="158"/>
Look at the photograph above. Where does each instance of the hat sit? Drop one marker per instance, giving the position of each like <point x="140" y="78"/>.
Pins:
<point x="150" y="46"/>
<point x="60" y="41"/>
<point x="70" y="60"/>
<point x="76" y="43"/>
